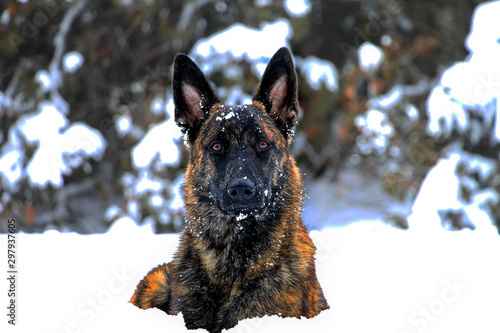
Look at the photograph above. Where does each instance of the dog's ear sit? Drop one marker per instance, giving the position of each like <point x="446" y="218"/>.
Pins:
<point x="277" y="91"/>
<point x="193" y="96"/>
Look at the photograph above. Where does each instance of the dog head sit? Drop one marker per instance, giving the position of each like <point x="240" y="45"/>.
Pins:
<point x="238" y="153"/>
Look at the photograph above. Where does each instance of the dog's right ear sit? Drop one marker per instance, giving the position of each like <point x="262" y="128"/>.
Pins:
<point x="193" y="96"/>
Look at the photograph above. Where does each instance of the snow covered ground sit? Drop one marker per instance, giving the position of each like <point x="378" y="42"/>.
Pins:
<point x="376" y="279"/>
<point x="353" y="197"/>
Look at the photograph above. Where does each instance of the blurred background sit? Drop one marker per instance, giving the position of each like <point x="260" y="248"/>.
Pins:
<point x="399" y="107"/>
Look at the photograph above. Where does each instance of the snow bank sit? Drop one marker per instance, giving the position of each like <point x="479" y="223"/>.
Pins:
<point x="376" y="279"/>
<point x="440" y="191"/>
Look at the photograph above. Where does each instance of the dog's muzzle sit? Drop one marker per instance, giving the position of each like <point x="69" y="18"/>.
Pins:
<point x="243" y="197"/>
<point x="241" y="190"/>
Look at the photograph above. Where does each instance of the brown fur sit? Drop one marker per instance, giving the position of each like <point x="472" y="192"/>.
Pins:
<point x="243" y="254"/>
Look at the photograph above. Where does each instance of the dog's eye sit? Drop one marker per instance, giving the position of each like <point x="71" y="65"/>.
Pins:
<point x="263" y="144"/>
<point x="216" y="146"/>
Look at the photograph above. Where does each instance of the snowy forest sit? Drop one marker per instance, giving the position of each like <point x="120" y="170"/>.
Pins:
<point x="398" y="142"/>
<point x="391" y="93"/>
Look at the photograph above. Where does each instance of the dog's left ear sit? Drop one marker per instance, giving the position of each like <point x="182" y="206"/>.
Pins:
<point x="193" y="96"/>
<point x="277" y="91"/>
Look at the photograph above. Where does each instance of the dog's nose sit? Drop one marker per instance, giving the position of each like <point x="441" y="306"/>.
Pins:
<point x="241" y="189"/>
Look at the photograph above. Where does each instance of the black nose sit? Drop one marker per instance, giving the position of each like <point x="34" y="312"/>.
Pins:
<point x="241" y="189"/>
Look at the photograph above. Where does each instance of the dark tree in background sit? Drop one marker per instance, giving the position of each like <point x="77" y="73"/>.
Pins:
<point x="128" y="48"/>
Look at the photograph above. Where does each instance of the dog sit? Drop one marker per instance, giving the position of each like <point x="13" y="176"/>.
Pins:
<point x="245" y="251"/>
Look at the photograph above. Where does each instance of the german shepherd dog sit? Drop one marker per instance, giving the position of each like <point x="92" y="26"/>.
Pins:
<point x="245" y="251"/>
